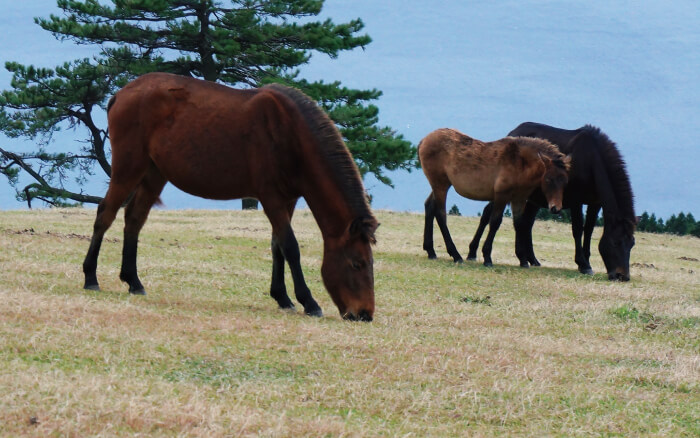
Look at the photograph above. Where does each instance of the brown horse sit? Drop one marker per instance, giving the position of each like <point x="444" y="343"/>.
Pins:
<point x="274" y="144"/>
<point x="503" y="171"/>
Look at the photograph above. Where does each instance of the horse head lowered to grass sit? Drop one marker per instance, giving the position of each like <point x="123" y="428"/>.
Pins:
<point x="274" y="144"/>
<point x="598" y="178"/>
<point x="503" y="171"/>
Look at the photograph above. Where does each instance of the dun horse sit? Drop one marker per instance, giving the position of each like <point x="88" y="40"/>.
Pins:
<point x="274" y="144"/>
<point x="504" y="171"/>
<point x="598" y="178"/>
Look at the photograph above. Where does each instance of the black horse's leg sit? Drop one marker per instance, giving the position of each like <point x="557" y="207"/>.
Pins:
<point x="135" y="216"/>
<point x="523" y="224"/>
<point x="494" y="224"/>
<point x="106" y="212"/>
<point x="483" y="221"/>
<point x="283" y="234"/>
<point x="577" y="231"/>
<point x="440" y="198"/>
<point x="591" y="218"/>
<point x="428" y="230"/>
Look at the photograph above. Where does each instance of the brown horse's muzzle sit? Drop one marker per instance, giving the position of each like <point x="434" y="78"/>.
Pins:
<point x="362" y="315"/>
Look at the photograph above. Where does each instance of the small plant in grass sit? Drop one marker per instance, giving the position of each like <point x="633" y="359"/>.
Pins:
<point x="477" y="300"/>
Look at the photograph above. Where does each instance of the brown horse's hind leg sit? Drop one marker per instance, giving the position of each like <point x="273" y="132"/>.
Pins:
<point x="284" y="239"/>
<point x="106" y="212"/>
<point x="135" y="216"/>
<point x="435" y="207"/>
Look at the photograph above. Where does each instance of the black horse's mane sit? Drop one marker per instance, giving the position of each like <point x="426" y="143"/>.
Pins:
<point x="332" y="148"/>
<point x="616" y="170"/>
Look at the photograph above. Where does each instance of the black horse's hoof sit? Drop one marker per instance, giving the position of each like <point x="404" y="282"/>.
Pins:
<point x="459" y="260"/>
<point x="432" y="256"/>
<point x="92" y="287"/>
<point x="318" y="313"/>
<point x="488" y="264"/>
<point x="141" y="291"/>
<point x="471" y="258"/>
<point x="586" y="271"/>
<point x="525" y="265"/>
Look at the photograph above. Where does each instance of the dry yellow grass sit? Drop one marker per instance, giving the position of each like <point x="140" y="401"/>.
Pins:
<point x="454" y="350"/>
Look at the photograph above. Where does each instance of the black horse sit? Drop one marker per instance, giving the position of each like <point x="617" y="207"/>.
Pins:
<point x="597" y="178"/>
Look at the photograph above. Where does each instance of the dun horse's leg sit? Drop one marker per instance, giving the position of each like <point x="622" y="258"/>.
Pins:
<point x="135" y="216"/>
<point x="106" y="212"/>
<point x="428" y="230"/>
<point x="591" y="218"/>
<point x="278" y="290"/>
<point x="284" y="236"/>
<point x="440" y="197"/>
<point x="494" y="224"/>
<point x="483" y="221"/>
<point x="523" y="235"/>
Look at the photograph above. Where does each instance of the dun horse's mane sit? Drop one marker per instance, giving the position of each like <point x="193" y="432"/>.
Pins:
<point x="332" y="149"/>
<point x="545" y="148"/>
<point x="616" y="169"/>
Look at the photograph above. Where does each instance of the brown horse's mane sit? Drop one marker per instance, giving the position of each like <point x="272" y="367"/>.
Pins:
<point x="332" y="148"/>
<point x="616" y="170"/>
<point x="545" y="148"/>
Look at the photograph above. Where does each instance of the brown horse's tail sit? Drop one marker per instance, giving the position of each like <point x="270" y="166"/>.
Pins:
<point x="420" y="165"/>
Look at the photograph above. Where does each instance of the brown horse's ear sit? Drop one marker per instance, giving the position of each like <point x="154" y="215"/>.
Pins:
<point x="364" y="228"/>
<point x="567" y="162"/>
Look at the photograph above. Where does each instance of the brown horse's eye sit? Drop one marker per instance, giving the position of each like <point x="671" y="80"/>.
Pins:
<point x="357" y="264"/>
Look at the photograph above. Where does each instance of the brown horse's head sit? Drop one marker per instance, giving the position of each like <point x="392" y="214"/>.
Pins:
<point x="554" y="180"/>
<point x="348" y="272"/>
<point x="615" y="246"/>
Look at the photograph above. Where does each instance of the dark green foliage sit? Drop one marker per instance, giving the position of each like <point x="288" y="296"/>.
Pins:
<point x="477" y="300"/>
<point x="681" y="224"/>
<point x="454" y="211"/>
<point x="244" y="43"/>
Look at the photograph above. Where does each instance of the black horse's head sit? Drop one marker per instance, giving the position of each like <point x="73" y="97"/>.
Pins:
<point x="615" y="246"/>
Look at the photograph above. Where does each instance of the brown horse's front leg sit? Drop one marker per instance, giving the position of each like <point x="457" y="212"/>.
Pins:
<point x="278" y="290"/>
<point x="483" y="221"/>
<point x="494" y="223"/>
<point x="287" y="244"/>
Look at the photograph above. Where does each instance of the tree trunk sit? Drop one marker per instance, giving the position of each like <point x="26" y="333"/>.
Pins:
<point x="249" y="203"/>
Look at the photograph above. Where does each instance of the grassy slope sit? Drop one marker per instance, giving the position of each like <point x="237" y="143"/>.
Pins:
<point x="454" y="349"/>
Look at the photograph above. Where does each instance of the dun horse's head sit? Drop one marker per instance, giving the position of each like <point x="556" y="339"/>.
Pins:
<point x="348" y="272"/>
<point x="615" y="246"/>
<point x="554" y="180"/>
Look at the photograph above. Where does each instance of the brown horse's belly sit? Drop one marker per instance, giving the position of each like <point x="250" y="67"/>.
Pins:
<point x="205" y="170"/>
<point x="477" y="185"/>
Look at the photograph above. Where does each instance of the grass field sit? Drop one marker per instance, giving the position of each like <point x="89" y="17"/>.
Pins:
<point x="454" y="350"/>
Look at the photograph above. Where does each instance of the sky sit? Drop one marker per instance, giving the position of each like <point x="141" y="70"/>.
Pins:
<point x="630" y="68"/>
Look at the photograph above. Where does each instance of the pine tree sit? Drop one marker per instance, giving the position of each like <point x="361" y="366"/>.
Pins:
<point x="242" y="43"/>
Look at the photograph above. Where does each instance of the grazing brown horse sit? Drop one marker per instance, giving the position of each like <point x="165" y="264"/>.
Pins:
<point x="274" y="144"/>
<point x="503" y="171"/>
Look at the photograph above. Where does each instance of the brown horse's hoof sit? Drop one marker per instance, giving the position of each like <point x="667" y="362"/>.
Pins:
<point x="586" y="271"/>
<point x="92" y="287"/>
<point x="138" y="292"/>
<point x="488" y="264"/>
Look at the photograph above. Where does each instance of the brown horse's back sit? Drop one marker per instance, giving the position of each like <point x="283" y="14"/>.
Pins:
<point x="177" y="123"/>
<point x="450" y="158"/>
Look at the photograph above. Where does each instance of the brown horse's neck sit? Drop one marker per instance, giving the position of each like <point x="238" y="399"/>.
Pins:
<point x="331" y="183"/>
